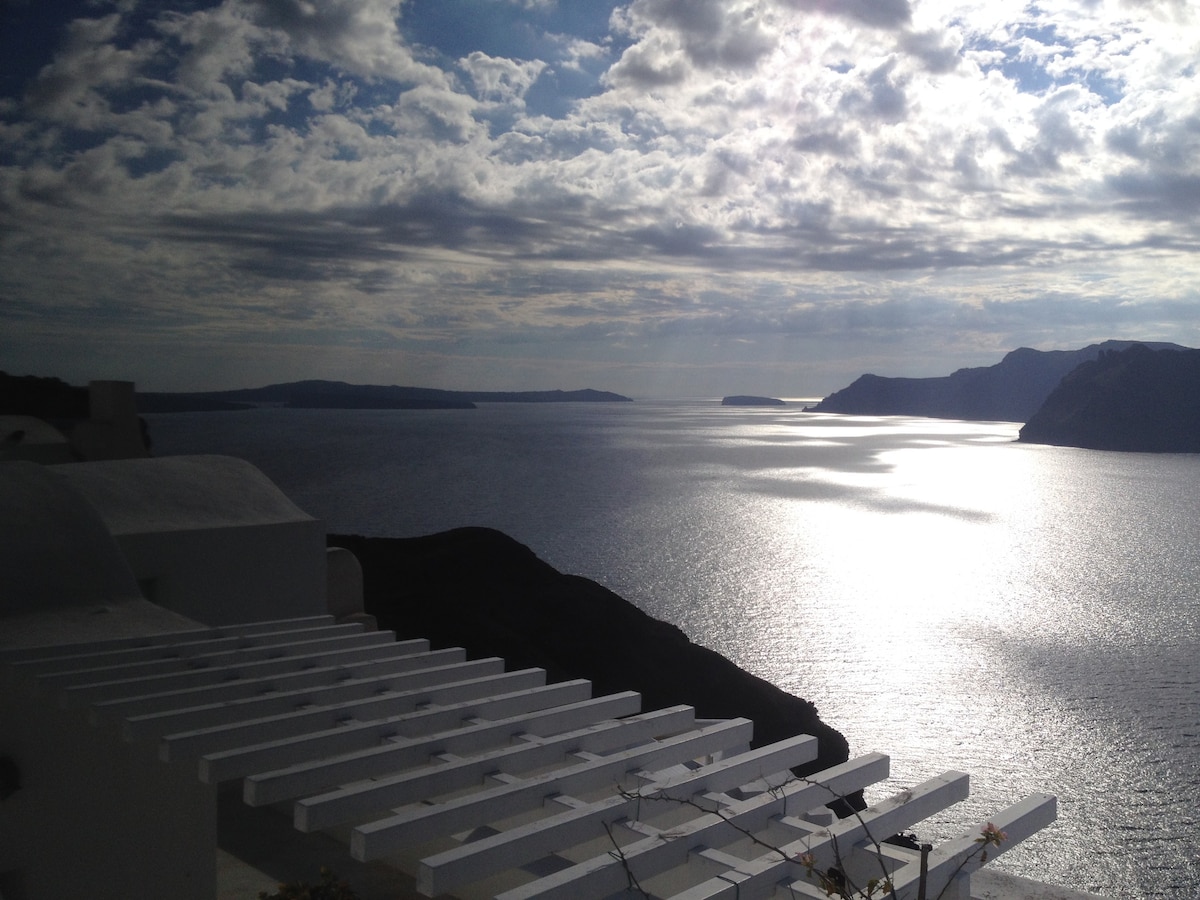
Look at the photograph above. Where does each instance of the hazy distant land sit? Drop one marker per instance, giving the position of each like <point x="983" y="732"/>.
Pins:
<point x="1012" y="390"/>
<point x="340" y="395"/>
<point x="1116" y="395"/>
<point x="750" y="400"/>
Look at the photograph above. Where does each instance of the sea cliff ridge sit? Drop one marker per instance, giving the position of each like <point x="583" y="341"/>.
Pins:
<point x="480" y="589"/>
<point x="1138" y="399"/>
<point x="1012" y="390"/>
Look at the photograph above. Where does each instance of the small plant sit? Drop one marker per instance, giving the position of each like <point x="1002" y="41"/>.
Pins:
<point x="832" y="880"/>
<point x="990" y="836"/>
<point x="329" y="888"/>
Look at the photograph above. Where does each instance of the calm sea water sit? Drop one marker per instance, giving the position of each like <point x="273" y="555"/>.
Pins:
<point x="1030" y="615"/>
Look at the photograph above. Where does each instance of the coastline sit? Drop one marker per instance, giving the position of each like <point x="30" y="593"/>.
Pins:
<point x="480" y="589"/>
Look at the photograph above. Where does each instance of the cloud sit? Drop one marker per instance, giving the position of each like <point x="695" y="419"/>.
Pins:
<point x="881" y="95"/>
<point x="889" y="14"/>
<point x="937" y="51"/>
<point x="70" y="90"/>
<point x="673" y="37"/>
<point x="710" y="168"/>
<point x="501" y="80"/>
<point x="650" y="63"/>
<point x="579" y="53"/>
<point x="358" y="36"/>
<point x="217" y="44"/>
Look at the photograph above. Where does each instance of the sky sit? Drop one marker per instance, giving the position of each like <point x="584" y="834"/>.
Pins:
<point x="664" y="198"/>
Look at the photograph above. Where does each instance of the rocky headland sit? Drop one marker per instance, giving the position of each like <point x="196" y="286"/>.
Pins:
<point x="1012" y="390"/>
<point x="1137" y="399"/>
<point x="479" y="589"/>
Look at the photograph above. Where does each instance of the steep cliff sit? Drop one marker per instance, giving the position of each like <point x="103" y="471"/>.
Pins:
<point x="1010" y="391"/>
<point x="1136" y="399"/>
<point x="479" y="589"/>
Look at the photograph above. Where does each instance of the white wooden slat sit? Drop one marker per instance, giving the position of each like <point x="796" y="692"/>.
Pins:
<point x="375" y="839"/>
<point x="481" y="858"/>
<point x="358" y="801"/>
<point x="53" y="651"/>
<point x="961" y="856"/>
<point x="46" y="651"/>
<point x="189" y="744"/>
<point x="657" y="854"/>
<point x="238" y="762"/>
<point x="138" y="697"/>
<point x="49" y="666"/>
<point x="221" y="657"/>
<point x="393" y="756"/>
<point x="52" y="667"/>
<point x="294" y="624"/>
<point x="331" y="692"/>
<point x="896" y="814"/>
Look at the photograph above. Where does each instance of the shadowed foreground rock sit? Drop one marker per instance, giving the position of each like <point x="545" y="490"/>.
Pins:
<point x="481" y="590"/>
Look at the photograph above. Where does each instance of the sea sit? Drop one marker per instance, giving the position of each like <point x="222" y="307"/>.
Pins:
<point x="944" y="594"/>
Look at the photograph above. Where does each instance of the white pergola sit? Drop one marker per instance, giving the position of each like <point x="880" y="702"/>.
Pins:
<point x="483" y="782"/>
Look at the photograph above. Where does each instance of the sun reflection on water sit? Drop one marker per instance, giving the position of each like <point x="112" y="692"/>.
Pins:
<point x="936" y="607"/>
<point x="1030" y="615"/>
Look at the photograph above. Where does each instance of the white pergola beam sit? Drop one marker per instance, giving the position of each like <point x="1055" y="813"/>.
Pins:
<point x="328" y="691"/>
<point x="54" y="651"/>
<point x="518" y="846"/>
<point x="397" y="755"/>
<point x="110" y="657"/>
<point x="132" y="691"/>
<point x="964" y="855"/>
<point x="379" y="838"/>
<point x="605" y="874"/>
<point x="417" y="746"/>
<point x="359" y="801"/>
<point x="240" y="761"/>
<point x="165" y="664"/>
<point x="756" y="878"/>
<point x="295" y="724"/>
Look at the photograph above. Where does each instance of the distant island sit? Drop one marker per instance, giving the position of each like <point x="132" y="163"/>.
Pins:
<point x="316" y="394"/>
<point x="1136" y="399"/>
<point x="750" y="400"/>
<point x="1009" y="391"/>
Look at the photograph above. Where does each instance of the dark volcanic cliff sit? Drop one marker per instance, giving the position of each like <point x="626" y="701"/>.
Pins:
<point x="479" y="589"/>
<point x="1010" y="391"/>
<point x="1138" y="399"/>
